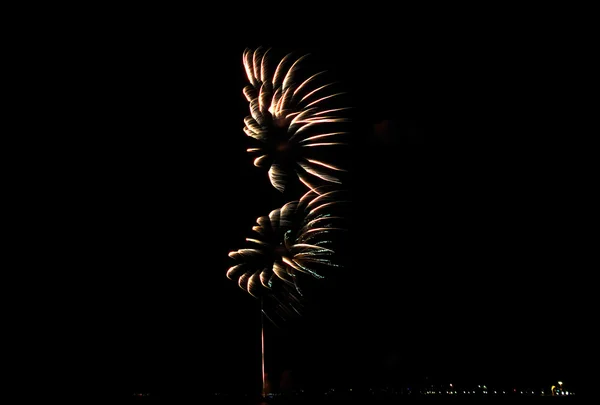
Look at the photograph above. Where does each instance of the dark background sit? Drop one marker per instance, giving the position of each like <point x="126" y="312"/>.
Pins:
<point x="461" y="252"/>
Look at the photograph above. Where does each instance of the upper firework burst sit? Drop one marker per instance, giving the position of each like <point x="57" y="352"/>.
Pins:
<point x="297" y="240"/>
<point x="297" y="116"/>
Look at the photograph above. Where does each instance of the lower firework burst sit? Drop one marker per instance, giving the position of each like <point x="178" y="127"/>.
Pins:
<point x="293" y="244"/>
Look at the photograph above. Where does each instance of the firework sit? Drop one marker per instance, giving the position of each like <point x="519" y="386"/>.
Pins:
<point x="293" y="243"/>
<point x="297" y="120"/>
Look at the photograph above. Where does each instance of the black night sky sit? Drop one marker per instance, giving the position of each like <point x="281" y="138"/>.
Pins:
<point x="459" y="239"/>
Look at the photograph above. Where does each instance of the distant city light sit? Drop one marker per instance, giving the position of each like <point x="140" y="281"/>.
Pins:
<point x="437" y="390"/>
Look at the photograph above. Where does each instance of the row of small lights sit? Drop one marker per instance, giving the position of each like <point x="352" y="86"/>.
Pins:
<point x="433" y="392"/>
<point x="484" y="392"/>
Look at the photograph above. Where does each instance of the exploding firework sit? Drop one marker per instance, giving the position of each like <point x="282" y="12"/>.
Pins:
<point x="294" y="243"/>
<point x="297" y="120"/>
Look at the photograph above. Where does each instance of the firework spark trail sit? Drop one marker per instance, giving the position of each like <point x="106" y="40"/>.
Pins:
<point x="295" y="241"/>
<point x="296" y="121"/>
